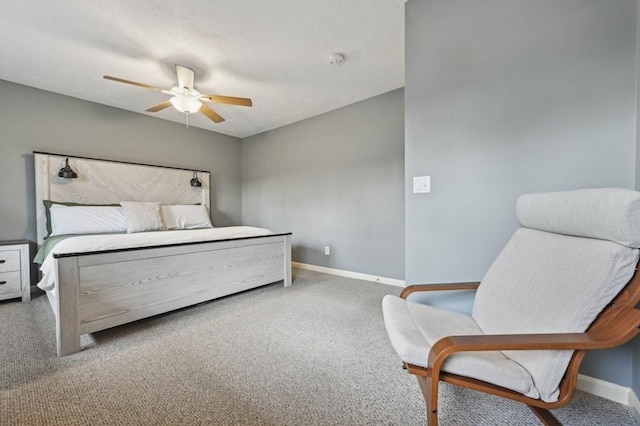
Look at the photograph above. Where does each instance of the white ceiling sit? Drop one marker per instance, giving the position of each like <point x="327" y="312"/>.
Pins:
<point x="272" y="51"/>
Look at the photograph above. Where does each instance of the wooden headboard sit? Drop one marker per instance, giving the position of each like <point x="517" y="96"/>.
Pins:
<point x="106" y="182"/>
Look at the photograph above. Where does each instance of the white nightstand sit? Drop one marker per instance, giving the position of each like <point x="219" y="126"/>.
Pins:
<point x="15" y="280"/>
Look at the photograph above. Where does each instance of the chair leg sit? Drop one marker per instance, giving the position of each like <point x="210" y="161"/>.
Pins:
<point x="545" y="416"/>
<point x="430" y="394"/>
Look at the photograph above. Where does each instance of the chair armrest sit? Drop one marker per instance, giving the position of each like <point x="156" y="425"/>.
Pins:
<point x="437" y="287"/>
<point x="620" y="330"/>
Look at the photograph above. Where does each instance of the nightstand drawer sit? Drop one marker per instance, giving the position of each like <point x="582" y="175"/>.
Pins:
<point x="10" y="282"/>
<point x="9" y="260"/>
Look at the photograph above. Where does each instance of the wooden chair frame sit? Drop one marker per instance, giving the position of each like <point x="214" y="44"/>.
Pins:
<point x="617" y="324"/>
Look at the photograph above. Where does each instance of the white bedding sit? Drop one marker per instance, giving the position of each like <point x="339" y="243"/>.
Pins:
<point x="87" y="243"/>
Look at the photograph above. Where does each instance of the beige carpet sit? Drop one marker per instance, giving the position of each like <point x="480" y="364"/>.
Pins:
<point x="312" y="354"/>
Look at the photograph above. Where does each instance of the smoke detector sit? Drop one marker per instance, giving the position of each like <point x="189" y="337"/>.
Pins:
<point x="336" y="58"/>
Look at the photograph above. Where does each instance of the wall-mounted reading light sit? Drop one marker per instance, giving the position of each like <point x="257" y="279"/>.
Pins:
<point x="67" y="171"/>
<point x="195" y="182"/>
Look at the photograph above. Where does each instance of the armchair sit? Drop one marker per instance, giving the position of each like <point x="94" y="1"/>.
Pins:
<point x="564" y="284"/>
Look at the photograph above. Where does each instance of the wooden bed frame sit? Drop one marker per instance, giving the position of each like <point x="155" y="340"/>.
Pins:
<point x="99" y="290"/>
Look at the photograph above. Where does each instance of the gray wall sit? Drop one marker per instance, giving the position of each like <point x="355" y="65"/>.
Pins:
<point x="504" y="97"/>
<point x="336" y="180"/>
<point x="36" y="120"/>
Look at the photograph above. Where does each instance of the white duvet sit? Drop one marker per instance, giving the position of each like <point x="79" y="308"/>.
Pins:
<point x="88" y="243"/>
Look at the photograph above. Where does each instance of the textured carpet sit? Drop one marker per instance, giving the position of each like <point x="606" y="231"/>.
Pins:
<point x="312" y="354"/>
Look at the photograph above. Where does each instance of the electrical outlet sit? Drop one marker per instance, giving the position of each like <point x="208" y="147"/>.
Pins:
<point x="327" y="250"/>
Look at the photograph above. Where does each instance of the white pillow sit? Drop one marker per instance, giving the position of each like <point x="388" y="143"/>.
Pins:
<point x="186" y="216"/>
<point x="87" y="219"/>
<point x="142" y="216"/>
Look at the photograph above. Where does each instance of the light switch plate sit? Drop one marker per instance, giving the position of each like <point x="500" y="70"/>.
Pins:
<point x="421" y="184"/>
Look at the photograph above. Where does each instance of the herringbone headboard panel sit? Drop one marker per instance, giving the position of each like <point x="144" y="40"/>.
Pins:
<point x="107" y="182"/>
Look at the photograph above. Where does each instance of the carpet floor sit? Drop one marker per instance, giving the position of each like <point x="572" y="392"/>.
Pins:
<point x="315" y="353"/>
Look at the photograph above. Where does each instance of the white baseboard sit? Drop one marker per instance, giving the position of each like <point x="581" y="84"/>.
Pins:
<point x="349" y="274"/>
<point x="604" y="389"/>
<point x="634" y="405"/>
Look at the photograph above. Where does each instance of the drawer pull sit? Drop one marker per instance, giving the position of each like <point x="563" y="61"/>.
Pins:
<point x="2" y="282"/>
<point x="2" y="261"/>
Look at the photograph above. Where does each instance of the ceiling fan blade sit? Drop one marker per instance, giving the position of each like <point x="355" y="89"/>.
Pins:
<point x="159" y="107"/>
<point x="146" y="86"/>
<point x="185" y="77"/>
<point x="211" y="114"/>
<point x="227" y="100"/>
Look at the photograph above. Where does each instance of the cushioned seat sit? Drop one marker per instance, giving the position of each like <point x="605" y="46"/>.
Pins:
<point x="414" y="328"/>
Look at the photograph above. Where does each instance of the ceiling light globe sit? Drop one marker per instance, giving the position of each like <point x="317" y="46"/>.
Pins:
<point x="186" y="104"/>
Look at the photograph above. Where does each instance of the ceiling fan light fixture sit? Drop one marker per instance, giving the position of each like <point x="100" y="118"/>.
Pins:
<point x="186" y="104"/>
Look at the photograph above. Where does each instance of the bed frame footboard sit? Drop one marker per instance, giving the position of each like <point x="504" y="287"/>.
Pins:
<point x="100" y="290"/>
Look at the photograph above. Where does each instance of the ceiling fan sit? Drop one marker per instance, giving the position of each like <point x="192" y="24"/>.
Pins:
<point x="185" y="98"/>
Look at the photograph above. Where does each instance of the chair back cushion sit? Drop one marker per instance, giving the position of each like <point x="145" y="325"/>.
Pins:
<point x="546" y="282"/>
<point x="605" y="213"/>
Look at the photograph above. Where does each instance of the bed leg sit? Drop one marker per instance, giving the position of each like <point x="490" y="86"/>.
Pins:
<point x="287" y="260"/>
<point x="68" y="300"/>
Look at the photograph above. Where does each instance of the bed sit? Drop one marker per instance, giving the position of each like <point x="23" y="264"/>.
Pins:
<point x="98" y="281"/>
